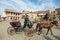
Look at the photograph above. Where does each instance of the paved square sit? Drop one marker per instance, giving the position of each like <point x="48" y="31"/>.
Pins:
<point x="5" y="36"/>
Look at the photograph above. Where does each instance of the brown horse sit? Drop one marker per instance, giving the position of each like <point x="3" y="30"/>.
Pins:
<point x="48" y="26"/>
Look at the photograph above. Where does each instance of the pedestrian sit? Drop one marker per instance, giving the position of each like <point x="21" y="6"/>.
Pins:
<point x="26" y="21"/>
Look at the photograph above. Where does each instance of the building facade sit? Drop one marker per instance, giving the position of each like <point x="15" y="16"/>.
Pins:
<point x="53" y="12"/>
<point x="32" y="15"/>
<point x="58" y="13"/>
<point x="11" y="15"/>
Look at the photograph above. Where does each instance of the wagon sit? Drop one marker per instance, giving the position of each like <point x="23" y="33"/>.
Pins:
<point x="15" y="27"/>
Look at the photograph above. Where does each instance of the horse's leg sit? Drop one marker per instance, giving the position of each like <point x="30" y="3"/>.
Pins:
<point x="18" y="29"/>
<point x="56" y="25"/>
<point x="24" y="26"/>
<point x="51" y="31"/>
<point x="39" y="31"/>
<point x="36" y="27"/>
<point x="47" y="31"/>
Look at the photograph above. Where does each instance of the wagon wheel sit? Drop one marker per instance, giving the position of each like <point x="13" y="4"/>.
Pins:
<point x="11" y="30"/>
<point x="30" y="32"/>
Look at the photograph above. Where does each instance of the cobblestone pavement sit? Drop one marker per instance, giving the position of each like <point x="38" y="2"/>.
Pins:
<point x="5" y="36"/>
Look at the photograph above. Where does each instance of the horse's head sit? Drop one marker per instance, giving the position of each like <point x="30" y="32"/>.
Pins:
<point x="55" y="23"/>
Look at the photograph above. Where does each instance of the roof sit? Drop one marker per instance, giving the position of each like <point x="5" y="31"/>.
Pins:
<point x="44" y="12"/>
<point x="10" y="10"/>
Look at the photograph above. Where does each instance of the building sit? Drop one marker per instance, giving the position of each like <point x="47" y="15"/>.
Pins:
<point x="58" y="12"/>
<point x="37" y="15"/>
<point x="53" y="13"/>
<point x="11" y="15"/>
<point x="30" y="14"/>
<point x="42" y="13"/>
<point x="3" y="16"/>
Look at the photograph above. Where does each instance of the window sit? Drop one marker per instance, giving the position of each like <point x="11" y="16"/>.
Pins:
<point x="54" y="12"/>
<point x="51" y="12"/>
<point x="18" y="17"/>
<point x="11" y="18"/>
<point x="16" y="13"/>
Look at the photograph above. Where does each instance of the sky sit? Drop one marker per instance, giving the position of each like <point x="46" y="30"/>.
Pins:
<point x="29" y="5"/>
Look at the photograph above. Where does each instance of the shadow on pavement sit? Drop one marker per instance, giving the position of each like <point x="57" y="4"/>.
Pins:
<point x="57" y="28"/>
<point x="58" y="38"/>
<point x="47" y="37"/>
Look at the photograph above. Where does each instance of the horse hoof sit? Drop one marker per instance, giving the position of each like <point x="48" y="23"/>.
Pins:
<point x="46" y="34"/>
<point x="51" y="34"/>
<point x="38" y="33"/>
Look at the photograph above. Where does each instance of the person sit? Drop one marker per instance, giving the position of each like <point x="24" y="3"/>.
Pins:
<point x="26" y="21"/>
<point x="46" y="16"/>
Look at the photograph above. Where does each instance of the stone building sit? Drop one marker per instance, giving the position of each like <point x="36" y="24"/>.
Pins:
<point x="54" y="13"/>
<point x="37" y="15"/>
<point x="32" y="15"/>
<point x="42" y="13"/>
<point x="58" y="12"/>
<point x="10" y="15"/>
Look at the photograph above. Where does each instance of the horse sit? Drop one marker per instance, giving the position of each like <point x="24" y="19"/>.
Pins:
<point x="48" y="26"/>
